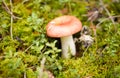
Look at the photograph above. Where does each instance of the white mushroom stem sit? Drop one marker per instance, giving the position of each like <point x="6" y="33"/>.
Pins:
<point x="68" y="46"/>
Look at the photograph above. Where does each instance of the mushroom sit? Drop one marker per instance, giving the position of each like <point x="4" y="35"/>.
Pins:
<point x="64" y="27"/>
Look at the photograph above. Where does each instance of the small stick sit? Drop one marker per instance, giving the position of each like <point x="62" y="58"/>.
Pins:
<point x="108" y="13"/>
<point x="31" y="45"/>
<point x="11" y="27"/>
<point x="42" y="67"/>
<point x="105" y="20"/>
<point x="9" y="11"/>
<point x="69" y="5"/>
<point x="25" y="75"/>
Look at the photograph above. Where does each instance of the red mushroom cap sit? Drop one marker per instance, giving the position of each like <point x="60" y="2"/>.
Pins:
<point x="63" y="26"/>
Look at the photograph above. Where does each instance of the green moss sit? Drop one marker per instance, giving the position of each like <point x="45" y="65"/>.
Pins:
<point x="90" y="66"/>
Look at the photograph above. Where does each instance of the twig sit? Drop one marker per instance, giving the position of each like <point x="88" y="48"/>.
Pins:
<point x="42" y="67"/>
<point x="25" y="75"/>
<point x="6" y="7"/>
<point x="25" y="1"/>
<point x="108" y="13"/>
<point x="11" y="22"/>
<point x="9" y="11"/>
<point x="1" y="57"/>
<point x="30" y="46"/>
<point x="44" y="49"/>
<point x="69" y="5"/>
<point x="85" y="50"/>
<point x="105" y="20"/>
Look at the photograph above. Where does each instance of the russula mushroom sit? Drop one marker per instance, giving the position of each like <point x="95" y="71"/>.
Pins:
<point x="64" y="27"/>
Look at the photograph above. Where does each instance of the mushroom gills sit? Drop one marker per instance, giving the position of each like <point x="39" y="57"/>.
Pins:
<point x="68" y="46"/>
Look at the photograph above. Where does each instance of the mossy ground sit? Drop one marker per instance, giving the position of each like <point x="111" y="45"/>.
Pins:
<point x="23" y="39"/>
